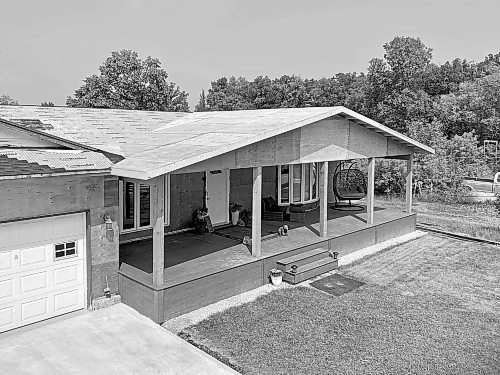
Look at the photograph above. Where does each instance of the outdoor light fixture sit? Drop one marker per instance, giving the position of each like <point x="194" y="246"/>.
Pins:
<point x="110" y="234"/>
<point x="108" y="222"/>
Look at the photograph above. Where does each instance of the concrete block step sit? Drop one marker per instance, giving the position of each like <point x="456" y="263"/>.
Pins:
<point x="301" y="259"/>
<point x="310" y="270"/>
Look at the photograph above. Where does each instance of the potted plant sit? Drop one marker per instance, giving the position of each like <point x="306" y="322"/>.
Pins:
<point x="199" y="217"/>
<point x="235" y="212"/>
<point x="276" y="276"/>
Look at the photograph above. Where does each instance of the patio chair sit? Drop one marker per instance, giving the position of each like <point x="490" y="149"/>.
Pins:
<point x="349" y="183"/>
<point x="271" y="210"/>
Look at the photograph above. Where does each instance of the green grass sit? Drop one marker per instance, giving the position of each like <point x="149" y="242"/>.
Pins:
<point x="431" y="306"/>
<point x="475" y="219"/>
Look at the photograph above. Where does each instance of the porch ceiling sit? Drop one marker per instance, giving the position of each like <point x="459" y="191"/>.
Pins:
<point x="215" y="133"/>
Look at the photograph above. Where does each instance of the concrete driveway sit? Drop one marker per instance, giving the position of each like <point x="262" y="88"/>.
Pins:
<point x="115" y="340"/>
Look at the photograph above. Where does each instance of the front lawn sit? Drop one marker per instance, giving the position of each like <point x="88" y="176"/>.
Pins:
<point x="431" y="306"/>
<point x="475" y="219"/>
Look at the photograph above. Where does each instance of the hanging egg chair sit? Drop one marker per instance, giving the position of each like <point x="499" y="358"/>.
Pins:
<point x="349" y="183"/>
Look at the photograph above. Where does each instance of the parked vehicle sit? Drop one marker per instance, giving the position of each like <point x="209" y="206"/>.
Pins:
<point x="483" y="189"/>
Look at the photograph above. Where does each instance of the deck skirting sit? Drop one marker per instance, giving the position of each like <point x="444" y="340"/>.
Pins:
<point x="174" y="299"/>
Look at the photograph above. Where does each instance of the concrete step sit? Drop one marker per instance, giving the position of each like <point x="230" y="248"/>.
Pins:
<point x="310" y="270"/>
<point x="301" y="259"/>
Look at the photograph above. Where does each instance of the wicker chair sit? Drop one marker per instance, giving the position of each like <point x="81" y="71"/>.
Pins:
<point x="349" y="183"/>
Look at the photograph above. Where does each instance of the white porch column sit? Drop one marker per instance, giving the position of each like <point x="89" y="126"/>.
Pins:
<point x="158" y="211"/>
<point x="256" y="211"/>
<point x="409" y="183"/>
<point x="370" y="194"/>
<point x="323" y="199"/>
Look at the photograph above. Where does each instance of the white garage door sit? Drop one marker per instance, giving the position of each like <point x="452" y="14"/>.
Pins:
<point x="42" y="269"/>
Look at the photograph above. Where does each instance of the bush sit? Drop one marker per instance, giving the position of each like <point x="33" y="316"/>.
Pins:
<point x="496" y="203"/>
<point x="460" y="195"/>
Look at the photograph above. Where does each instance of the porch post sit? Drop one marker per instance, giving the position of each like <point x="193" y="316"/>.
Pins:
<point x="256" y="210"/>
<point x="370" y="194"/>
<point x="158" y="211"/>
<point x="409" y="183"/>
<point x="323" y="199"/>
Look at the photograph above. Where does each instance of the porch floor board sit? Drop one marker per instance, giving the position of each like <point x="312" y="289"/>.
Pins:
<point x="190" y="256"/>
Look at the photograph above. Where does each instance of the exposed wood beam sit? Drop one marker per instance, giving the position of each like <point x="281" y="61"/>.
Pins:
<point x="409" y="183"/>
<point x="370" y="194"/>
<point x="323" y="199"/>
<point x="256" y="210"/>
<point x="158" y="212"/>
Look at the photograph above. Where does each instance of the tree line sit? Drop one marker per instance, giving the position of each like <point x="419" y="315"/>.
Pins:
<point x="453" y="107"/>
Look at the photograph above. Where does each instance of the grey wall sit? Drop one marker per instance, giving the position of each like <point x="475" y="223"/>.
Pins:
<point x="241" y="181"/>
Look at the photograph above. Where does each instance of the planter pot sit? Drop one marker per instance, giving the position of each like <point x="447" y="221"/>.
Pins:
<point x="277" y="280"/>
<point x="235" y="217"/>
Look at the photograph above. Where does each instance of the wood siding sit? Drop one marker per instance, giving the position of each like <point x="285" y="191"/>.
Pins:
<point x="187" y="192"/>
<point x="325" y="140"/>
<point x="240" y="188"/>
<point x="203" y="290"/>
<point x="137" y="296"/>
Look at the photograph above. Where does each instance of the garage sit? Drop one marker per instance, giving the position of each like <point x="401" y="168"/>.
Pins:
<point x="42" y="269"/>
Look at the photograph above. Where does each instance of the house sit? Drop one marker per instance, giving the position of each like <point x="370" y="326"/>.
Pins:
<point x="98" y="200"/>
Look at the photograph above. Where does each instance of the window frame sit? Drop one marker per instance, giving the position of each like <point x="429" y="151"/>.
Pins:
<point x="65" y="256"/>
<point x="121" y="203"/>
<point x="302" y="184"/>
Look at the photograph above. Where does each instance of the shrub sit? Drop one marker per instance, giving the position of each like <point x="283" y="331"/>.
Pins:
<point x="496" y="203"/>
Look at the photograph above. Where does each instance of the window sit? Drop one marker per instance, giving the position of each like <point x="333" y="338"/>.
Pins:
<point x="284" y="184"/>
<point x="135" y="204"/>
<point x="298" y="183"/>
<point x="65" y="250"/>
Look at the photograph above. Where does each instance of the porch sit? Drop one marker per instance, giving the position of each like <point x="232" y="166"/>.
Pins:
<point x="203" y="269"/>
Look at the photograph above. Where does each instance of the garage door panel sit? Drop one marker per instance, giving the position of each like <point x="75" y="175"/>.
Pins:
<point x="7" y="318"/>
<point x="34" y="282"/>
<point x="43" y="279"/>
<point x="6" y="262"/>
<point x="6" y="289"/>
<point x="9" y="234"/>
<point x="70" y="274"/>
<point x="36" y="309"/>
<point x="34" y="256"/>
<point x="67" y="226"/>
<point x="68" y="300"/>
<point x="32" y="231"/>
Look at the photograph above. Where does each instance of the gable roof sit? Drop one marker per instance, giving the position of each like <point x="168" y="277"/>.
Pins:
<point x="204" y="135"/>
<point x="154" y="143"/>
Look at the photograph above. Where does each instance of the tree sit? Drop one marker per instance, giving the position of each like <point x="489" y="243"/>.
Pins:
<point x="399" y="109"/>
<point x="230" y="94"/>
<point x="47" y="104"/>
<point x="202" y="103"/>
<point x="474" y="106"/>
<point x="408" y="59"/>
<point x="127" y="82"/>
<point x="7" y="100"/>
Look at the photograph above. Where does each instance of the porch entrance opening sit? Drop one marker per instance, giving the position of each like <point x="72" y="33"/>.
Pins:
<point x="217" y="195"/>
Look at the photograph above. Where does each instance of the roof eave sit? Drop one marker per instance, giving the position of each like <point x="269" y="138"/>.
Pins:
<point x="123" y="170"/>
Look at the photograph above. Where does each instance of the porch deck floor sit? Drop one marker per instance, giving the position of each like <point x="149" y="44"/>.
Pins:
<point x="190" y="256"/>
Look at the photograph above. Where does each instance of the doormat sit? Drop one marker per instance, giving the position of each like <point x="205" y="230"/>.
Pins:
<point x="337" y="284"/>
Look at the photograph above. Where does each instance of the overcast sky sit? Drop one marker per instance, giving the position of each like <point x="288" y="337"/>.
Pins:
<point x="48" y="47"/>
